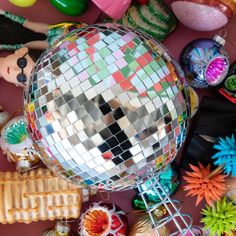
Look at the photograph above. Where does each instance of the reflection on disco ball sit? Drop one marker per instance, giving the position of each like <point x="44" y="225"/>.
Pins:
<point x="106" y="104"/>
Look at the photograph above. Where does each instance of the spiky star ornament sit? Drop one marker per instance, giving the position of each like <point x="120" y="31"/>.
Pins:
<point x="226" y="154"/>
<point x="220" y="218"/>
<point x="204" y="183"/>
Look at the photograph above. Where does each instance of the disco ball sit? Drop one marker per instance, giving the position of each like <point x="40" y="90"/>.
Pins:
<point x="105" y="105"/>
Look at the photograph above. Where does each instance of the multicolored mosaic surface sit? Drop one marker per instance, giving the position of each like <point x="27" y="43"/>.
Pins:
<point x="106" y="104"/>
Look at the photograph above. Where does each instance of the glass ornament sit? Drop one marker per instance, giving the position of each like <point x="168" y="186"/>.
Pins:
<point x="205" y="62"/>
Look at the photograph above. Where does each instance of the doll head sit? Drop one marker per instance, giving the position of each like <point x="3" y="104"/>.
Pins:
<point x="16" y="67"/>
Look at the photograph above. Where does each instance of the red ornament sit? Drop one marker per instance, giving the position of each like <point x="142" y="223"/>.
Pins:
<point x="103" y="219"/>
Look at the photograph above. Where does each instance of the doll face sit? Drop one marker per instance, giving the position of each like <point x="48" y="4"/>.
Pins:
<point x="16" y="67"/>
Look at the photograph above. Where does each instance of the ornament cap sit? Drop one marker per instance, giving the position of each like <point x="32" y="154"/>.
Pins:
<point x="62" y="227"/>
<point x="23" y="165"/>
<point x="220" y="39"/>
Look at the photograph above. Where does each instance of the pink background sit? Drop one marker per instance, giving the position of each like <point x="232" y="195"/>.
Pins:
<point x="11" y="99"/>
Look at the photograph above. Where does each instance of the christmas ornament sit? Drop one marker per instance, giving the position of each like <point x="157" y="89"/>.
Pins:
<point x="205" y="62"/>
<point x="38" y="195"/>
<point x="143" y="226"/>
<point x="16" y="143"/>
<point x="109" y="109"/>
<point x="220" y="218"/>
<point x="23" y="3"/>
<point x="226" y="154"/>
<point x="61" y="229"/>
<point x="114" y="9"/>
<point x="103" y="219"/>
<point x="228" y="86"/>
<point x="153" y="18"/>
<point x="170" y="179"/>
<point x="205" y="184"/>
<point x="203" y="15"/>
<point x="194" y="101"/>
<point x="70" y="7"/>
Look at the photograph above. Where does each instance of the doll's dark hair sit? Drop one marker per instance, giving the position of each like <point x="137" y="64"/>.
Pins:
<point x="35" y="54"/>
<point x="14" y="33"/>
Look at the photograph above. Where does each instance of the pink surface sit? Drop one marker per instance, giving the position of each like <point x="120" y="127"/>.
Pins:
<point x="11" y="99"/>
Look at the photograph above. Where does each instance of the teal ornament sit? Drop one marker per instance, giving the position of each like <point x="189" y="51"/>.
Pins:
<point x="170" y="180"/>
<point x="14" y="136"/>
<point x="16" y="133"/>
<point x="226" y="154"/>
<point x="70" y="7"/>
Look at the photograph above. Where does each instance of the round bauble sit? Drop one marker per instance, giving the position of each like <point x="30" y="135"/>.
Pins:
<point x="204" y="15"/>
<point x="71" y="7"/>
<point x="23" y="3"/>
<point x="204" y="62"/>
<point x="105" y="105"/>
<point x="103" y="219"/>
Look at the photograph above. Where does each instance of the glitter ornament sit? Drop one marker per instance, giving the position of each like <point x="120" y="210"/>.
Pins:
<point x="226" y="154"/>
<point x="154" y="18"/>
<point x="203" y="15"/>
<point x="103" y="219"/>
<point x="204" y="183"/>
<point x="105" y="105"/>
<point x="205" y="62"/>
